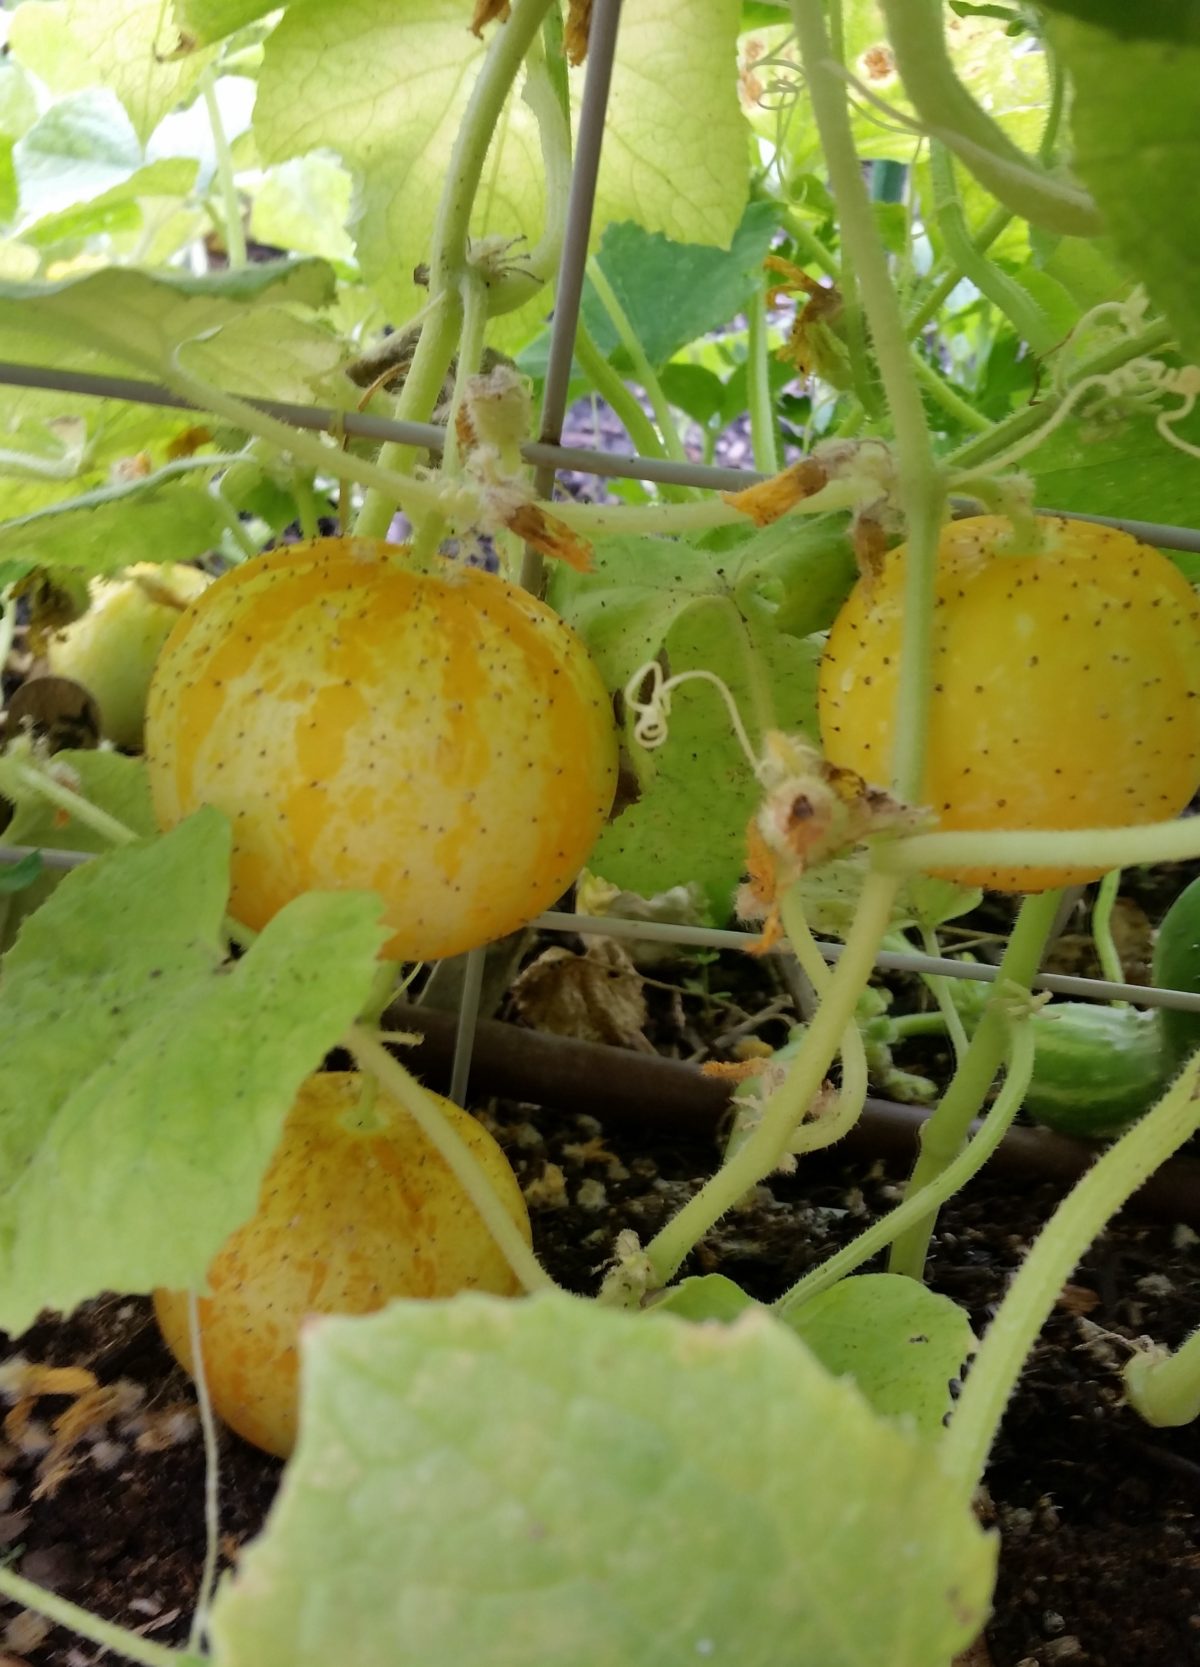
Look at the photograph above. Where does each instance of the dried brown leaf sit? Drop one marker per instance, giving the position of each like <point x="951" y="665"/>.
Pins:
<point x="595" y="997"/>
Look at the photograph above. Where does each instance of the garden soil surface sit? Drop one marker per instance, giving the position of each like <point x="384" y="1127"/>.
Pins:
<point x="1097" y="1514"/>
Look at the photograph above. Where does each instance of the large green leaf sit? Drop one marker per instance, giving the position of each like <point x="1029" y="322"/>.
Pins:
<point x="1137" y="147"/>
<point x="145" y="1080"/>
<point x="114" y="526"/>
<point x="1165" y="20"/>
<point x="80" y="148"/>
<point x="385" y="87"/>
<point x="1119" y="465"/>
<point x="212" y="20"/>
<point x="548" y="1482"/>
<point x="245" y="331"/>
<point x="130" y="45"/>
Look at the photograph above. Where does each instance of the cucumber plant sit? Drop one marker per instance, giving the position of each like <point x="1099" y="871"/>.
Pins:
<point x="161" y="1008"/>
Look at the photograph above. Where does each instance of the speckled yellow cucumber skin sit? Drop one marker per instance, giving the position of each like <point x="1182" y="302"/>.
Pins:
<point x="353" y="1212"/>
<point x="443" y="739"/>
<point x="1066" y="685"/>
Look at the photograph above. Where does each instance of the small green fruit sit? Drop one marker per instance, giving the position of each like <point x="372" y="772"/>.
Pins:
<point x="112" y="648"/>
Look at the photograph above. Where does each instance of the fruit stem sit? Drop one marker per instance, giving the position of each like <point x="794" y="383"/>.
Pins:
<point x="1150" y="842"/>
<point x="371" y="1055"/>
<point x="758" y="383"/>
<point x="643" y="371"/>
<point x="927" y="1200"/>
<point x="1102" y="934"/>
<point x="783" y="1111"/>
<point x="1112" y="1179"/>
<point x="235" y="232"/>
<point x="449" y="246"/>
<point x="943" y="1135"/>
<point x="922" y="490"/>
<point x="131" y="1645"/>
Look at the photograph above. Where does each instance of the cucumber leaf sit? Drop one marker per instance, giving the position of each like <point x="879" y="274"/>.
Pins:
<point x="498" y="1482"/>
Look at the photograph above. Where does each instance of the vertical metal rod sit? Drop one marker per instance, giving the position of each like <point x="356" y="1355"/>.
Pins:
<point x="568" y="297"/>
<point x="464" y="1035"/>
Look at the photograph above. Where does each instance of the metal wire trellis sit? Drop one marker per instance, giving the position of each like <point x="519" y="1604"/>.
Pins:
<point x="550" y="458"/>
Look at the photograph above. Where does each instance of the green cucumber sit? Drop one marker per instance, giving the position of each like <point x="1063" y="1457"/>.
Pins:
<point x="1176" y="966"/>
<point x="1095" y="1069"/>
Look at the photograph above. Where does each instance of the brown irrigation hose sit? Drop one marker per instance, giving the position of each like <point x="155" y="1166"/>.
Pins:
<point x="644" y="1090"/>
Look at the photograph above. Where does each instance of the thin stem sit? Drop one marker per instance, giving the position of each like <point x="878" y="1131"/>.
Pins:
<point x="1035" y="418"/>
<point x="939" y="988"/>
<point x="212" y="1480"/>
<point x="808" y="244"/>
<point x="948" y="397"/>
<point x="598" y="519"/>
<point x="450" y="244"/>
<point x="42" y="782"/>
<point x="1102" y="936"/>
<point x="643" y="371"/>
<point x="232" y="521"/>
<point x="1164" y="1388"/>
<point x="943" y="1135"/>
<point x="948" y="112"/>
<point x="371" y="1055"/>
<point x="1103" y="848"/>
<point x="1022" y="312"/>
<point x="929" y="1198"/>
<point x="758" y="384"/>
<point x="997" y="221"/>
<point x="826" y="1130"/>
<point x="921" y="487"/>
<point x="132" y="1645"/>
<point x="235" y="232"/>
<point x="1113" y="1178"/>
<point x="613" y="390"/>
<point x="783" y="1111"/>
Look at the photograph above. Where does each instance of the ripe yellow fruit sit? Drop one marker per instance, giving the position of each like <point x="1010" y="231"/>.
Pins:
<point x="1066" y="685"/>
<point x="356" y="1208"/>
<point x="112" y="648"/>
<point x="440" y="738"/>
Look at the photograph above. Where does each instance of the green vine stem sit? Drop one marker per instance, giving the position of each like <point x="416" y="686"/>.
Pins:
<point x="929" y="1198"/>
<point x="212" y="1480"/>
<point x="595" y="520"/>
<point x="1035" y="419"/>
<point x="1103" y="848"/>
<point x="943" y="1135"/>
<point x="948" y="112"/>
<point x="1164" y="1388"/>
<point x="434" y="353"/>
<point x="1102" y="934"/>
<point x="922" y="491"/>
<point x="758" y="387"/>
<point x="939" y="987"/>
<point x="948" y="397"/>
<point x="783" y="1111"/>
<point x="17" y="777"/>
<point x="1112" y="1179"/>
<point x="997" y="221"/>
<point x="1022" y="312"/>
<point x="824" y="1131"/>
<point x="808" y="245"/>
<point x="235" y="232"/>
<point x="132" y="1645"/>
<point x="613" y="389"/>
<point x="371" y="1056"/>
<point x="643" y="371"/>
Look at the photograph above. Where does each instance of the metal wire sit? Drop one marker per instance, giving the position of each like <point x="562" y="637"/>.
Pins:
<point x="543" y="454"/>
<point x="712" y="937"/>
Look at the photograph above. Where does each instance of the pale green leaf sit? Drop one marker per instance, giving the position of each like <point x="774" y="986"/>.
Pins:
<point x="548" y="1482"/>
<point x="705" y="1296"/>
<point x="131" y="47"/>
<point x="18" y="101"/>
<point x="212" y="20"/>
<point x="675" y="75"/>
<point x="243" y="330"/>
<point x="146" y="1081"/>
<point x="40" y="38"/>
<point x="901" y="1343"/>
<point x="115" y="526"/>
<point x="116" y="784"/>
<point x="303" y="206"/>
<point x="1137" y="149"/>
<point x="81" y="148"/>
<point x="117" y="209"/>
<point x="388" y="93"/>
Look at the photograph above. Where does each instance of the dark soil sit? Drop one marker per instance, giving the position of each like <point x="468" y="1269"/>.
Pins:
<point x="1097" y="1513"/>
